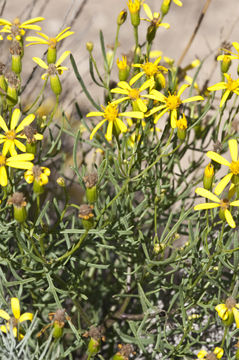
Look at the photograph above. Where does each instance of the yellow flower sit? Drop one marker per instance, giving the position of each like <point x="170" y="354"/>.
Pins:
<point x="233" y="166"/>
<point x="11" y="135"/>
<point x="122" y="64"/>
<point x="16" y="29"/>
<point x="111" y="114"/>
<point x="134" y="6"/>
<point x="150" y="69"/>
<point x="39" y="174"/>
<point x="233" y="56"/>
<point x="154" y="18"/>
<point x="223" y="204"/>
<point x="50" y="41"/>
<point x="132" y="94"/>
<point x="229" y="310"/>
<point x="13" y="321"/>
<point x="20" y="161"/>
<point x="52" y="69"/>
<point x="171" y="103"/>
<point x="230" y="86"/>
<point x="216" y="354"/>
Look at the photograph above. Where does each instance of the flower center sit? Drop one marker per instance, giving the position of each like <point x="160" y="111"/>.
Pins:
<point x="225" y="204"/>
<point x="230" y="303"/>
<point x="13" y="321"/>
<point x="150" y="69"/>
<point x="211" y="356"/>
<point x="52" y="43"/>
<point x="173" y="102"/>
<point x="16" y="21"/>
<point x="234" y="167"/>
<point x="10" y="135"/>
<point x="52" y="70"/>
<point x="2" y="160"/>
<point x="134" y="94"/>
<point x="232" y="84"/>
<point x="111" y="112"/>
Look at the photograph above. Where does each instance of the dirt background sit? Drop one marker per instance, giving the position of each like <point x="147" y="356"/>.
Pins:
<point x="87" y="17"/>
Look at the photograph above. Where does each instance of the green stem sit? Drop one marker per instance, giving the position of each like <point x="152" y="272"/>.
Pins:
<point x="37" y="98"/>
<point x="136" y="38"/>
<point x="73" y="249"/>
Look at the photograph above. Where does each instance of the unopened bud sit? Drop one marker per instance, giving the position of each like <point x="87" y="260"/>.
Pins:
<point x="51" y="55"/>
<point x="122" y="17"/>
<point x="165" y="7"/>
<point x="55" y="84"/>
<point x="89" y="46"/>
<point x="61" y="182"/>
<point x="208" y="177"/>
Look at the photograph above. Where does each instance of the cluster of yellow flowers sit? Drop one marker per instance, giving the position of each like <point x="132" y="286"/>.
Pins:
<point x="19" y="135"/>
<point x="229" y="87"/>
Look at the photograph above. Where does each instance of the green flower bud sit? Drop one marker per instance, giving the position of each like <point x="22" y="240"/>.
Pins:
<point x="55" y="84"/>
<point x="122" y="17"/>
<point x="208" y="177"/>
<point x="12" y="97"/>
<point x="61" y="182"/>
<point x="165" y="7"/>
<point x="89" y="46"/>
<point x="225" y="64"/>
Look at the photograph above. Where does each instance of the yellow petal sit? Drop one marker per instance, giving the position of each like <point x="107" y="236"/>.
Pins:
<point x="97" y="128"/>
<point x="224" y="97"/>
<point x="40" y="62"/>
<point x="206" y="206"/>
<point x="236" y="316"/>
<point x="229" y="218"/>
<point x="121" y="125"/>
<point x="207" y="194"/>
<point x="108" y="134"/>
<point x="148" y="11"/>
<point x="6" y="147"/>
<point x="193" y="98"/>
<point x="3" y="328"/>
<point x="26" y="316"/>
<point x="95" y="113"/>
<point x="218" y="158"/>
<point x="219" y="352"/>
<point x="235" y="203"/>
<point x="62" y="58"/>
<point x="157" y="95"/>
<point x="15" y="307"/>
<point x="3" y="176"/>
<point x="182" y="89"/>
<point x="133" y="114"/>
<point x="20" y="146"/>
<point x="15" y="118"/>
<point x="222" y="184"/>
<point x="3" y="124"/>
<point x="141" y="105"/>
<point x="4" y="315"/>
<point x="68" y="33"/>
<point x="219" y="86"/>
<point x="233" y="149"/>
<point x="178" y="2"/>
<point x="25" y="122"/>
<point x="33" y="20"/>
<point x="173" y="118"/>
<point x="222" y="311"/>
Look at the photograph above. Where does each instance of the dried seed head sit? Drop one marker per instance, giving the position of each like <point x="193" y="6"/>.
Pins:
<point x="60" y="315"/>
<point x="95" y="332"/>
<point x="52" y="70"/>
<point x="36" y="171"/>
<point x="17" y="199"/>
<point x="230" y="303"/>
<point x="29" y="131"/>
<point x="86" y="212"/>
<point x="15" y="48"/>
<point x="90" y="180"/>
<point x="12" y="79"/>
<point x="126" y="350"/>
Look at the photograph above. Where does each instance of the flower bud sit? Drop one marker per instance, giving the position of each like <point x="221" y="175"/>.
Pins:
<point x="91" y="189"/>
<point x="3" y="83"/>
<point x="89" y="46"/>
<point x="208" y="176"/>
<point x="61" y="182"/>
<point x="122" y="17"/>
<point x="134" y="8"/>
<point x="225" y="64"/>
<point x="87" y="216"/>
<point x="55" y="84"/>
<point x="181" y="125"/>
<point x="123" y="68"/>
<point x="165" y="7"/>
<point x="19" y="206"/>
